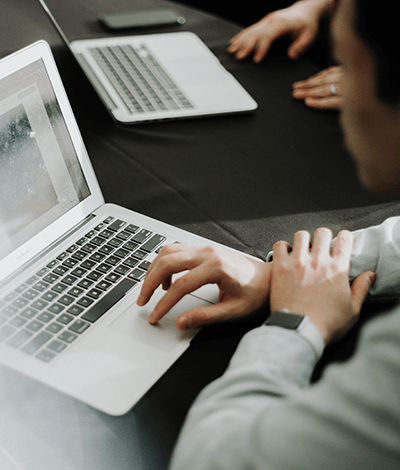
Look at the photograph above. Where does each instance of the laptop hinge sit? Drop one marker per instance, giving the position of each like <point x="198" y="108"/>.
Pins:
<point x="47" y="250"/>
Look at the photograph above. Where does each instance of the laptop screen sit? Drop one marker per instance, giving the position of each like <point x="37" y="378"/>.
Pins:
<point x="40" y="174"/>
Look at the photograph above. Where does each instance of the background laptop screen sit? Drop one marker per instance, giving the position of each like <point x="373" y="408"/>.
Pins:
<point x="40" y="175"/>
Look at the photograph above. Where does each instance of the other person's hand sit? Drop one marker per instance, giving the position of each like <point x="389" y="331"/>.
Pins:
<point x="314" y="282"/>
<point x="301" y="21"/>
<point x="321" y="91"/>
<point x="243" y="283"/>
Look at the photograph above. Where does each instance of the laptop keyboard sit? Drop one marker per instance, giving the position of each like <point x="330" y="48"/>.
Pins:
<point x="141" y="82"/>
<point x="51" y="309"/>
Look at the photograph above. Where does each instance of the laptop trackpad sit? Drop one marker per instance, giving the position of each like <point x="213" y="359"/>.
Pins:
<point x="133" y="322"/>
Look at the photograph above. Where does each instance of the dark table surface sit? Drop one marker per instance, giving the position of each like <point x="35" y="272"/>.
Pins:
<point x="244" y="181"/>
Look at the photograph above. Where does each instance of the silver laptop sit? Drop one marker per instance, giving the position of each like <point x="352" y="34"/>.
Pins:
<point x="157" y="76"/>
<point x="71" y="266"/>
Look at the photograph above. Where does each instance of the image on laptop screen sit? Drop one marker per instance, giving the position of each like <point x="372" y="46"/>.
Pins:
<point x="40" y="175"/>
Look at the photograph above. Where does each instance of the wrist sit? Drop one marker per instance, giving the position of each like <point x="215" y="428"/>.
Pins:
<point x="301" y="325"/>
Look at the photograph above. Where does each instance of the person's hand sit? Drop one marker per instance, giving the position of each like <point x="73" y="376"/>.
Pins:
<point x="321" y="91"/>
<point x="243" y="283"/>
<point x="300" y="21"/>
<point x="314" y="282"/>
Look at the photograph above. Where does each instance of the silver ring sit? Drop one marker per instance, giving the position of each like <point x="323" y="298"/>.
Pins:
<point x="333" y="90"/>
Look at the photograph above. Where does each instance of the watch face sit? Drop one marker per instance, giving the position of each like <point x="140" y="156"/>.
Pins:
<point x="287" y="320"/>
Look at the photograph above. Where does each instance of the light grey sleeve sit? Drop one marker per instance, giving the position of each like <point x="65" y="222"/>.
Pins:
<point x="262" y="414"/>
<point x="377" y="249"/>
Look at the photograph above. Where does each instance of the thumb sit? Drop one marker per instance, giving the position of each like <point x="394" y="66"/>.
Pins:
<point x="360" y="287"/>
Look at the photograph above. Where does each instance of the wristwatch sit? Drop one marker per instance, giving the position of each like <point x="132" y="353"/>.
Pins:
<point x="301" y="324"/>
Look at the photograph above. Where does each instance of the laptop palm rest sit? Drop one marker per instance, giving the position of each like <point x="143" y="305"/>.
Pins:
<point x="133" y="322"/>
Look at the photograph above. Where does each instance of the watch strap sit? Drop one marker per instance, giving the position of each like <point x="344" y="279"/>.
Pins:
<point x="301" y="325"/>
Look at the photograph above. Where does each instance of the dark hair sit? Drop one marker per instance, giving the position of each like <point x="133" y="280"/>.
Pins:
<point x="377" y="26"/>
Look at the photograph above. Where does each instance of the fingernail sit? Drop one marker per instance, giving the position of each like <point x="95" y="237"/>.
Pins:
<point x="184" y="323"/>
<point x="151" y="319"/>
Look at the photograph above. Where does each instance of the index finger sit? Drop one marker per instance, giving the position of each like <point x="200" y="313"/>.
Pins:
<point x="170" y="260"/>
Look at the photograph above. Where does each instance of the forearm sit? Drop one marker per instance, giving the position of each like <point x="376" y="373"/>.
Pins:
<point x="262" y="414"/>
<point x="270" y="365"/>
<point x="377" y="249"/>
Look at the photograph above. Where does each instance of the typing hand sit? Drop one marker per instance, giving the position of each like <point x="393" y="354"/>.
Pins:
<point x="243" y="283"/>
<point x="314" y="282"/>
<point x="300" y="21"/>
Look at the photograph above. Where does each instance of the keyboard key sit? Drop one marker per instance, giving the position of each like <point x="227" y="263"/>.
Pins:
<point x="54" y="328"/>
<point x="52" y="263"/>
<point x="35" y="325"/>
<point x="79" y="326"/>
<point x="85" y="301"/>
<point x="121" y="253"/>
<point x="104" y="268"/>
<point x="59" y="287"/>
<point x="66" y="299"/>
<point x="56" y="346"/>
<point x="11" y="296"/>
<point x="110" y="299"/>
<point x="6" y="331"/>
<point x="88" y="264"/>
<point x="69" y="280"/>
<point x="39" y="304"/>
<point x="29" y="313"/>
<point x="122" y="269"/>
<point x="56" y="308"/>
<point x="113" y="277"/>
<point x="9" y="311"/>
<point x="37" y="342"/>
<point x="20" y="302"/>
<point x="106" y="233"/>
<point x="21" y="288"/>
<point x="154" y="241"/>
<point x="30" y="294"/>
<point x="95" y="293"/>
<point x="117" y="225"/>
<point x="137" y="274"/>
<point x="139" y="254"/>
<point x="131" y="262"/>
<point x="60" y="270"/>
<point x="132" y="228"/>
<point x="145" y="265"/>
<point x="18" y="321"/>
<point x="141" y="236"/>
<point x="45" y="317"/>
<point x="49" y="295"/>
<point x="124" y="235"/>
<point x="67" y="336"/>
<point x="45" y="355"/>
<point x="19" y="339"/>
<point x="41" y="286"/>
<point x="65" y="319"/>
<point x="70" y="262"/>
<point x="79" y="272"/>
<point x="50" y="278"/>
<point x="75" y="291"/>
<point x="75" y="310"/>
<point x="104" y="285"/>
<point x="85" y="283"/>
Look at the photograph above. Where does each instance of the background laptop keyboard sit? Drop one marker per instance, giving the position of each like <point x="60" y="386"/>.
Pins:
<point x="141" y="82"/>
<point x="51" y="309"/>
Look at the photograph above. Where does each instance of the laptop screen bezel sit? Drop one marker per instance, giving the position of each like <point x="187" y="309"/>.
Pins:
<point x="41" y="241"/>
